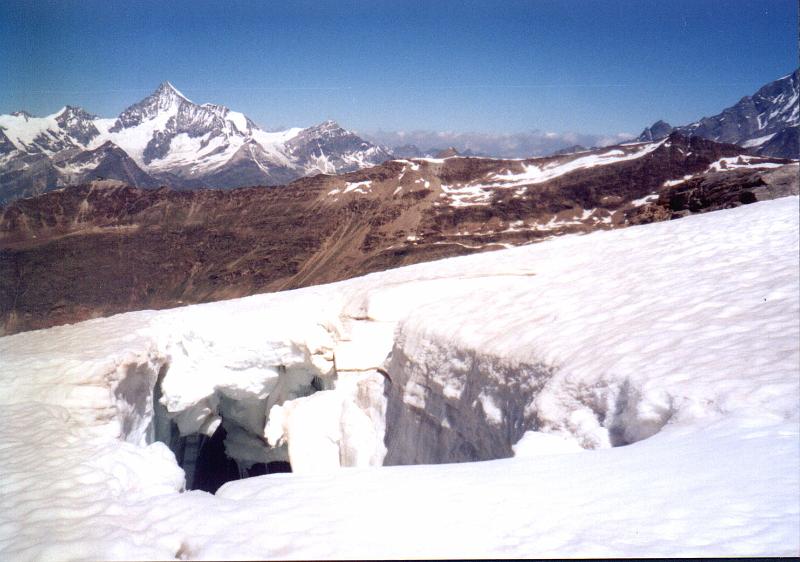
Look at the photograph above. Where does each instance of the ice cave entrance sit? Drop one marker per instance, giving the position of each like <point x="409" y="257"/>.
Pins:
<point x="203" y="458"/>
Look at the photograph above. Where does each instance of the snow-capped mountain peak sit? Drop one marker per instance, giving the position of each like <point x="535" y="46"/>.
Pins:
<point x="71" y="112"/>
<point x="166" y="89"/>
<point x="69" y="128"/>
<point x="329" y="148"/>
<point x="181" y="143"/>
<point x="166" y="99"/>
<point x="328" y="127"/>
<point x="78" y="124"/>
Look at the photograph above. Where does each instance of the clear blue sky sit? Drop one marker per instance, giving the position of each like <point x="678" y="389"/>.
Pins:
<point x="504" y="66"/>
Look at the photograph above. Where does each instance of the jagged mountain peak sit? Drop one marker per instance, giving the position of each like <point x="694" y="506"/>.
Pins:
<point x="656" y="131"/>
<point x="790" y="80"/>
<point x="78" y="124"/>
<point x="107" y="161"/>
<point x="165" y="99"/>
<point x="327" y="128"/>
<point x="106" y="146"/>
<point x="69" y="112"/>
<point x="22" y="113"/>
<point x="166" y="89"/>
<point x="662" y="124"/>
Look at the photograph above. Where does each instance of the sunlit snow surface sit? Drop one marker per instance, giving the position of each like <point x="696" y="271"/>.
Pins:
<point x="693" y="322"/>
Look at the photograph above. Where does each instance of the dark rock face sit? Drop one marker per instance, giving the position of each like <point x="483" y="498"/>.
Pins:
<point x="329" y="148"/>
<point x="712" y="193"/>
<point x="771" y="109"/>
<point x="656" y="131"/>
<point x="765" y="122"/>
<point x="105" y="247"/>
<point x="249" y="166"/>
<point x="25" y="175"/>
<point x="107" y="161"/>
<point x="6" y="146"/>
<point x="719" y="190"/>
<point x="78" y="124"/>
<point x="785" y="144"/>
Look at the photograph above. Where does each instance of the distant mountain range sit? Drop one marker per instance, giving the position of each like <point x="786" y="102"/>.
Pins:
<point x="166" y="139"/>
<point x="766" y="122"/>
<point x="413" y="151"/>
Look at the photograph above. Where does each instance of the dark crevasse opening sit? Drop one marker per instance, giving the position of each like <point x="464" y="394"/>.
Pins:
<point x="212" y="467"/>
<point x="203" y="458"/>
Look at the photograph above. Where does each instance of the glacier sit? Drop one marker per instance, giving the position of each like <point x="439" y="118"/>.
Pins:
<point x="623" y="393"/>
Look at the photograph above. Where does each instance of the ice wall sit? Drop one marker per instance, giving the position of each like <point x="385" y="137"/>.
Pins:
<point x="455" y="405"/>
<point x="301" y="389"/>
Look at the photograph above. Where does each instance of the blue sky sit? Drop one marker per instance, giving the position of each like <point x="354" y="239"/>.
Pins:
<point x="505" y="66"/>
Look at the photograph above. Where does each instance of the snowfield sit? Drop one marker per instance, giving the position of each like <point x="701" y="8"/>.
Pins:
<point x="642" y="382"/>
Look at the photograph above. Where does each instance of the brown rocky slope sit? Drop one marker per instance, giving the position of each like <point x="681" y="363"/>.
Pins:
<point x="102" y="248"/>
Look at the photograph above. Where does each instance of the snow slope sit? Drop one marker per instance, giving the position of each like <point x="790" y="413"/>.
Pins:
<point x="678" y="340"/>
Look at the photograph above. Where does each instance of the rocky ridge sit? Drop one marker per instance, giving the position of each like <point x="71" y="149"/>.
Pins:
<point x="766" y="122"/>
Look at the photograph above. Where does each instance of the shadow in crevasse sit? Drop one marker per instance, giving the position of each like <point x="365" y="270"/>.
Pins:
<point x="203" y="458"/>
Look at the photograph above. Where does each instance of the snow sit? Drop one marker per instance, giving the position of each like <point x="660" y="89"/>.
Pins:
<point x="671" y="183"/>
<point x="189" y="152"/>
<point x="467" y="195"/>
<point x="200" y="154"/>
<point x="22" y="130"/>
<point x="238" y="120"/>
<point x="677" y="339"/>
<point x="650" y="198"/>
<point x="480" y="193"/>
<point x="731" y="162"/>
<point x="741" y="161"/>
<point x="536" y="173"/>
<point x="410" y="163"/>
<point x="358" y="186"/>
<point x="176" y="91"/>
<point x="133" y="140"/>
<point x="536" y="443"/>
<point x="758" y="141"/>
